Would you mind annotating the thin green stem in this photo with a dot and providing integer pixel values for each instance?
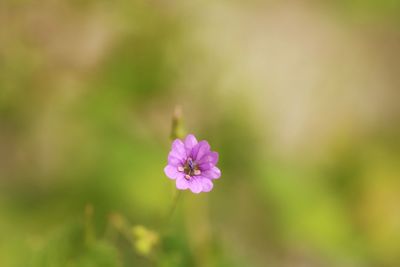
(169, 215)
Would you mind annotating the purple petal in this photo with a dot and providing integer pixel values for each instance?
(214, 156)
(178, 149)
(182, 183)
(213, 173)
(208, 161)
(201, 149)
(190, 142)
(172, 172)
(195, 185)
(205, 166)
(174, 161)
(177, 155)
(206, 184)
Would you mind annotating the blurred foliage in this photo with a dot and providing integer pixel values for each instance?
(299, 98)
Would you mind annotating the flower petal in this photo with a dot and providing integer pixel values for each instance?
(178, 149)
(174, 161)
(195, 185)
(207, 185)
(177, 155)
(172, 172)
(182, 183)
(208, 160)
(213, 173)
(190, 142)
(214, 156)
(201, 149)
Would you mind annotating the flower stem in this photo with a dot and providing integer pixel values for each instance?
(177, 195)
(177, 129)
(169, 215)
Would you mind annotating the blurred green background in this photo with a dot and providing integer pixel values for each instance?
(300, 98)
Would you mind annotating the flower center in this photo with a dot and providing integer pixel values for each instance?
(190, 169)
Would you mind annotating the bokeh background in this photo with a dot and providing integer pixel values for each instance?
(300, 98)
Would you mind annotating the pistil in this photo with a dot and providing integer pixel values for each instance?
(190, 169)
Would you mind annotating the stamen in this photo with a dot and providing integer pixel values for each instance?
(190, 163)
(187, 177)
(197, 172)
(180, 169)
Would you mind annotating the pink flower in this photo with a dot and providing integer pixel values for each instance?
(192, 165)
